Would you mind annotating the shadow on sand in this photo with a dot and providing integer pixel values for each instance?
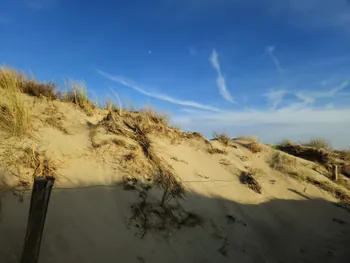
(96, 224)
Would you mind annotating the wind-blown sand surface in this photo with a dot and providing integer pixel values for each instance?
(105, 206)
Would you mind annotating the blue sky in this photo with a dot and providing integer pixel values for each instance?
(274, 68)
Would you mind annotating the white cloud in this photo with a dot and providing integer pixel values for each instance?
(343, 85)
(157, 95)
(298, 120)
(275, 97)
(311, 97)
(220, 81)
(275, 60)
(272, 126)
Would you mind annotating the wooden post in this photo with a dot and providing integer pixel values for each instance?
(335, 173)
(37, 213)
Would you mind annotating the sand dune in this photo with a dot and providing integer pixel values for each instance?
(129, 188)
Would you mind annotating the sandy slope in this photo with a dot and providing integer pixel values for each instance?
(92, 216)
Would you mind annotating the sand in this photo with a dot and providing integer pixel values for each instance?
(91, 216)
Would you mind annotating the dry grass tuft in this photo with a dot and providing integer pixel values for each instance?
(213, 150)
(285, 164)
(110, 106)
(250, 142)
(39, 89)
(248, 178)
(337, 192)
(319, 144)
(161, 119)
(313, 154)
(253, 146)
(138, 126)
(14, 113)
(278, 158)
(221, 137)
(78, 95)
(42, 165)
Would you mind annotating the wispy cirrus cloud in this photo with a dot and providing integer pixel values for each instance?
(274, 97)
(276, 62)
(290, 114)
(156, 95)
(311, 97)
(220, 81)
(294, 123)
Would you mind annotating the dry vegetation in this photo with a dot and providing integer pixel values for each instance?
(40, 89)
(251, 143)
(26, 162)
(14, 113)
(333, 189)
(221, 137)
(78, 96)
(41, 164)
(213, 150)
(319, 144)
(110, 105)
(285, 164)
(254, 147)
(138, 126)
(249, 178)
(320, 152)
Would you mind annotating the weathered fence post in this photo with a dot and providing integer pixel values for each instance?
(335, 173)
(37, 213)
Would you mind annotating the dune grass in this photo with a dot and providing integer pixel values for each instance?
(285, 164)
(41, 164)
(40, 89)
(254, 147)
(249, 178)
(251, 143)
(14, 112)
(78, 96)
(221, 137)
(155, 117)
(319, 143)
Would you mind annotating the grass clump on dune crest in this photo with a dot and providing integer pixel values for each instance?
(156, 117)
(39, 89)
(254, 147)
(221, 137)
(251, 143)
(138, 126)
(78, 95)
(31, 86)
(319, 143)
(14, 113)
(285, 164)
